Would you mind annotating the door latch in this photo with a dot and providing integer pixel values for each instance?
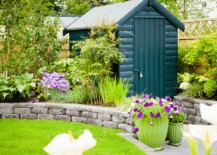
(141, 75)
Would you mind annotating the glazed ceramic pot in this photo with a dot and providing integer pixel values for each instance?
(175, 133)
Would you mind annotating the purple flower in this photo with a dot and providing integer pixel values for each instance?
(171, 113)
(178, 113)
(137, 101)
(145, 97)
(30, 95)
(167, 109)
(175, 108)
(171, 106)
(136, 129)
(146, 104)
(31, 101)
(46, 98)
(45, 69)
(158, 114)
(128, 113)
(151, 114)
(151, 123)
(139, 116)
(161, 98)
(168, 98)
(104, 91)
(33, 92)
(37, 100)
(176, 103)
(42, 72)
(135, 110)
(150, 104)
(138, 110)
(149, 96)
(161, 102)
(180, 109)
(47, 93)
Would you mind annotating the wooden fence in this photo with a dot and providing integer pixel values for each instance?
(196, 29)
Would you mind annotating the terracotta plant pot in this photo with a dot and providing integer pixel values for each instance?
(152, 135)
(175, 133)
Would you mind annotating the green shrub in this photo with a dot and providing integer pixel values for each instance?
(177, 118)
(182, 51)
(193, 90)
(113, 91)
(79, 95)
(56, 96)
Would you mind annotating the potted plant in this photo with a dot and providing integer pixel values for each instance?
(151, 120)
(176, 119)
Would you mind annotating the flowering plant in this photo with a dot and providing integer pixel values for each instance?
(176, 115)
(53, 81)
(150, 107)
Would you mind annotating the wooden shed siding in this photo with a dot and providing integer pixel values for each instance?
(171, 49)
(126, 47)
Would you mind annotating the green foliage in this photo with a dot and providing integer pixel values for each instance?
(177, 118)
(194, 90)
(191, 77)
(22, 84)
(56, 96)
(205, 49)
(30, 38)
(79, 95)
(188, 8)
(113, 92)
(182, 51)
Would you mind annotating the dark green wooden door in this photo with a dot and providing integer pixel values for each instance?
(149, 56)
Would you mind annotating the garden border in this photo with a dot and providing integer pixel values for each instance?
(191, 107)
(96, 115)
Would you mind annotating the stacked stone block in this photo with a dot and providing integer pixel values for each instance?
(191, 108)
(101, 116)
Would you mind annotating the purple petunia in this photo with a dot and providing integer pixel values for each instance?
(149, 96)
(168, 98)
(178, 113)
(146, 104)
(175, 108)
(180, 109)
(171, 113)
(136, 129)
(30, 95)
(150, 104)
(176, 103)
(151, 123)
(135, 110)
(171, 106)
(145, 97)
(37, 100)
(128, 113)
(31, 101)
(167, 109)
(139, 116)
(151, 114)
(158, 114)
(137, 101)
(161, 103)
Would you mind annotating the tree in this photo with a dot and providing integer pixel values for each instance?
(187, 9)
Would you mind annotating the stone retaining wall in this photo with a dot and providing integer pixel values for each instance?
(101, 116)
(191, 107)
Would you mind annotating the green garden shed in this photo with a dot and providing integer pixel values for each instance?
(151, 52)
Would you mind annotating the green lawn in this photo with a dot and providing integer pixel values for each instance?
(20, 137)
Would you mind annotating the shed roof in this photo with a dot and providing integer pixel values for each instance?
(121, 12)
(64, 19)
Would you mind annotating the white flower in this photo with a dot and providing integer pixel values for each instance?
(129, 109)
(163, 100)
(208, 113)
(171, 116)
(171, 103)
(132, 104)
(184, 85)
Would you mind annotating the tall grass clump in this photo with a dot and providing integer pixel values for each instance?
(113, 91)
(193, 90)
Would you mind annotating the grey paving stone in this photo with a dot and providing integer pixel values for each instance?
(22, 110)
(6, 110)
(62, 117)
(10, 116)
(124, 114)
(115, 119)
(40, 110)
(6, 105)
(45, 116)
(57, 111)
(28, 116)
(194, 118)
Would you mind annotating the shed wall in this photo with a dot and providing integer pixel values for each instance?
(171, 55)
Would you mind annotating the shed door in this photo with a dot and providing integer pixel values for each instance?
(149, 56)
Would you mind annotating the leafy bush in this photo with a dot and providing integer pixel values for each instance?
(193, 90)
(113, 91)
(177, 118)
(56, 96)
(79, 95)
(182, 65)
(22, 84)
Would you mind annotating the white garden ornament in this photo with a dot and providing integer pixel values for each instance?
(65, 144)
(207, 133)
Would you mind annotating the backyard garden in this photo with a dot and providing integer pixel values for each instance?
(32, 72)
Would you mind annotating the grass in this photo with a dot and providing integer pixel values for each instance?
(28, 137)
